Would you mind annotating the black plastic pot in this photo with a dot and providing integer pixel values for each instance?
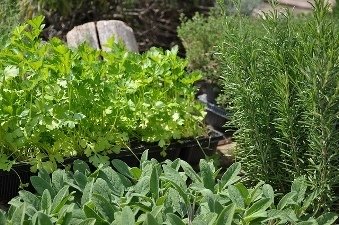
(216, 117)
(10, 181)
(190, 150)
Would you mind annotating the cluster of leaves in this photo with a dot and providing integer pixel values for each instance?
(284, 87)
(156, 194)
(201, 35)
(58, 102)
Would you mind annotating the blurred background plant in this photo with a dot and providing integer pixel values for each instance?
(154, 22)
(201, 34)
(8, 18)
(336, 10)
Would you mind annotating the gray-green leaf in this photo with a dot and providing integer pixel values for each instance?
(105, 208)
(2, 217)
(46, 202)
(81, 166)
(150, 220)
(44, 219)
(236, 196)
(89, 221)
(226, 216)
(190, 172)
(121, 167)
(174, 219)
(88, 192)
(206, 175)
(58, 177)
(154, 183)
(231, 175)
(60, 199)
(327, 218)
(40, 185)
(127, 216)
(286, 200)
(18, 216)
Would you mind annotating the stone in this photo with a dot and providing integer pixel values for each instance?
(83, 33)
(108, 28)
(97, 34)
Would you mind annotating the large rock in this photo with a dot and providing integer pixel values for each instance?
(79, 34)
(108, 28)
(97, 34)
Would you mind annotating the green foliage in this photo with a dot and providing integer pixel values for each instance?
(284, 86)
(9, 16)
(157, 194)
(201, 35)
(57, 102)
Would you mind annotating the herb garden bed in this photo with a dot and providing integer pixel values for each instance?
(60, 104)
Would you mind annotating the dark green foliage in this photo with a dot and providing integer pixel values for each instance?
(9, 16)
(202, 34)
(336, 11)
(199, 36)
(283, 84)
(160, 194)
(57, 102)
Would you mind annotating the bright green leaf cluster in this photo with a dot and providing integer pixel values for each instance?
(57, 102)
(169, 193)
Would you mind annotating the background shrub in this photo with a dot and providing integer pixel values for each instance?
(9, 17)
(201, 34)
(283, 84)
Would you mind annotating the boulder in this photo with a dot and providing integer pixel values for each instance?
(108, 28)
(85, 32)
(97, 34)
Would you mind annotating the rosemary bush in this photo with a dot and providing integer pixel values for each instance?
(284, 85)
